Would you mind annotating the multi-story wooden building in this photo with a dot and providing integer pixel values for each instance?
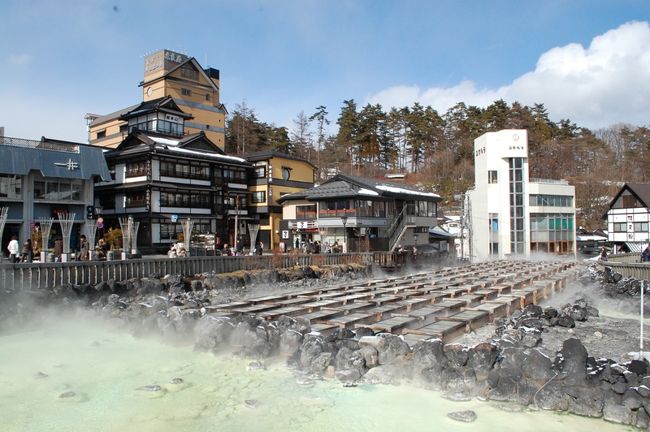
(160, 177)
(275, 175)
(169, 74)
(359, 214)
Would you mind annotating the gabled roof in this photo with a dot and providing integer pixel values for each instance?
(195, 63)
(194, 145)
(112, 116)
(53, 159)
(268, 154)
(165, 104)
(640, 190)
(345, 186)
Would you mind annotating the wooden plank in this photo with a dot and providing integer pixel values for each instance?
(425, 315)
(451, 305)
(349, 307)
(353, 297)
(393, 324)
(514, 302)
(323, 328)
(381, 312)
(226, 306)
(294, 301)
(445, 330)
(472, 319)
(255, 309)
(350, 320)
(288, 311)
(414, 303)
(529, 295)
(495, 310)
(316, 305)
(413, 339)
(470, 299)
(452, 292)
(267, 299)
(487, 294)
(321, 315)
(380, 300)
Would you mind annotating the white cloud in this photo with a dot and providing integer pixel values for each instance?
(605, 83)
(19, 59)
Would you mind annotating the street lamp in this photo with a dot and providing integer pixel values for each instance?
(344, 219)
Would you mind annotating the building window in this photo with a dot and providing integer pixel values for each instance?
(101, 134)
(188, 71)
(258, 197)
(286, 173)
(170, 231)
(550, 200)
(136, 199)
(171, 169)
(207, 96)
(10, 186)
(233, 174)
(193, 199)
(620, 227)
(306, 212)
(260, 172)
(186, 92)
(201, 172)
(58, 190)
(641, 226)
(517, 233)
(493, 177)
(493, 220)
(136, 169)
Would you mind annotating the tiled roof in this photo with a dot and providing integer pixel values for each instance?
(344, 186)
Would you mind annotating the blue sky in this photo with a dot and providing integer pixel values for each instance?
(586, 60)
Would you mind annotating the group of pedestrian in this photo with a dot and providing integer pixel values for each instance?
(26, 253)
(16, 254)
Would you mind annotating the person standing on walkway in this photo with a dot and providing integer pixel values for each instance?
(27, 254)
(14, 249)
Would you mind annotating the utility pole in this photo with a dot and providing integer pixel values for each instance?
(462, 226)
(236, 220)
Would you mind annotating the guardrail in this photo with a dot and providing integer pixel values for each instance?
(49, 275)
(628, 265)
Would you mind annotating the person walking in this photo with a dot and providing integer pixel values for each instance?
(645, 255)
(14, 249)
(83, 253)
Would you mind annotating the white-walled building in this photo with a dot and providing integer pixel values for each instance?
(507, 213)
(628, 217)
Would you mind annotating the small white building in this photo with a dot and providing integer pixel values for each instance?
(507, 213)
(628, 217)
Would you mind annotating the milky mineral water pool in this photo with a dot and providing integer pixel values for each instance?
(100, 368)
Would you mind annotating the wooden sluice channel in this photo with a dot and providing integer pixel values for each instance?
(444, 303)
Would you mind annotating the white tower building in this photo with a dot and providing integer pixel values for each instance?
(508, 214)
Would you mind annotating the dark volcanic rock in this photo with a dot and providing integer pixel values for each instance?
(573, 356)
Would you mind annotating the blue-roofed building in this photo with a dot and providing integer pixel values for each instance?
(39, 179)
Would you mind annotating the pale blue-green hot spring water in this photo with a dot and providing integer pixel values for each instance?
(100, 367)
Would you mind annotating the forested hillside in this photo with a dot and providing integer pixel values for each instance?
(435, 149)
